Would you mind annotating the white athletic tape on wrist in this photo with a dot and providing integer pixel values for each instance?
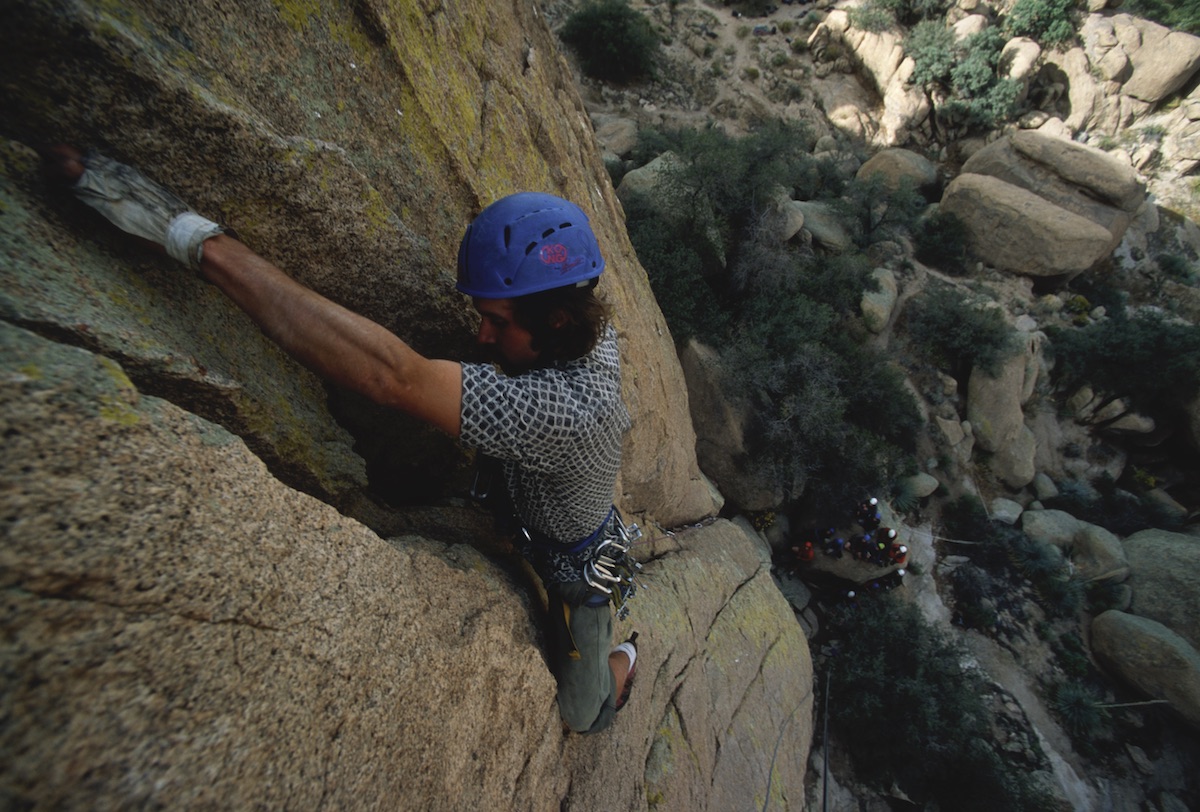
(186, 236)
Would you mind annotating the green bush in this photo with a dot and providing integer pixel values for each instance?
(669, 253)
(941, 241)
(1047, 21)
(958, 331)
(1183, 15)
(614, 43)
(932, 46)
(1148, 359)
(829, 414)
(1177, 268)
(882, 15)
(876, 212)
(909, 715)
(1117, 510)
(1078, 708)
(872, 18)
(966, 71)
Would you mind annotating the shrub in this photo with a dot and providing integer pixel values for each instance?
(614, 43)
(828, 414)
(1183, 15)
(1152, 361)
(1047, 21)
(1119, 511)
(932, 47)
(872, 18)
(941, 241)
(966, 71)
(1176, 267)
(958, 331)
(675, 268)
(876, 212)
(912, 717)
(1078, 708)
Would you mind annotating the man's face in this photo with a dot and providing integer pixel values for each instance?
(505, 341)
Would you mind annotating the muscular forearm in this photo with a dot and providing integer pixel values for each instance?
(336, 343)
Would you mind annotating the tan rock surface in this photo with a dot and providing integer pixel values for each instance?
(1018, 231)
(181, 630)
(351, 146)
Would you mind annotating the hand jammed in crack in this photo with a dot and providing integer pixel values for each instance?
(134, 203)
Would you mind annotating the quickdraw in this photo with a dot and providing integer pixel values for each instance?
(612, 570)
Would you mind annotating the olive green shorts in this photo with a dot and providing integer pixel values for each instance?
(579, 641)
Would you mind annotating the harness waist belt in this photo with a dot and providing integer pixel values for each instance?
(544, 541)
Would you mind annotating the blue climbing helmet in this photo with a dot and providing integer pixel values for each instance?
(526, 243)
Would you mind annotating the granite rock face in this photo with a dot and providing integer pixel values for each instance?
(185, 624)
(349, 143)
(182, 629)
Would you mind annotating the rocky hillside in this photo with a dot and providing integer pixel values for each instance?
(1080, 218)
(227, 585)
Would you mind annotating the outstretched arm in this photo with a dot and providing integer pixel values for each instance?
(335, 343)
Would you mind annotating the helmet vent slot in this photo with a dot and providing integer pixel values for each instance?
(507, 236)
(548, 232)
(529, 248)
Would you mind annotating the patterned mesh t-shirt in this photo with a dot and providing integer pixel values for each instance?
(558, 432)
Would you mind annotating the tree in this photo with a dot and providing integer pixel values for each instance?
(966, 71)
(1148, 359)
(961, 331)
(1047, 21)
(614, 42)
(1183, 15)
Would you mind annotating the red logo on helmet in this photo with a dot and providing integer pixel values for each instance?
(555, 254)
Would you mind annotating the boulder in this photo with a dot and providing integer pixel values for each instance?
(919, 485)
(894, 165)
(1016, 230)
(1080, 179)
(969, 26)
(824, 224)
(880, 59)
(1014, 463)
(1019, 58)
(1151, 658)
(790, 216)
(1162, 65)
(994, 404)
(1099, 555)
(615, 135)
(720, 423)
(1055, 527)
(877, 305)
(1044, 487)
(1005, 510)
(1162, 567)
(1096, 552)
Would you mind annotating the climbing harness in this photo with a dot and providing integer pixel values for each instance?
(603, 561)
(612, 570)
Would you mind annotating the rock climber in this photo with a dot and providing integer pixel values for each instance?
(551, 415)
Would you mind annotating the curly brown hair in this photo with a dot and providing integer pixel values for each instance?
(586, 319)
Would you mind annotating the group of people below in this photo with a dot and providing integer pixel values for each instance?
(875, 544)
